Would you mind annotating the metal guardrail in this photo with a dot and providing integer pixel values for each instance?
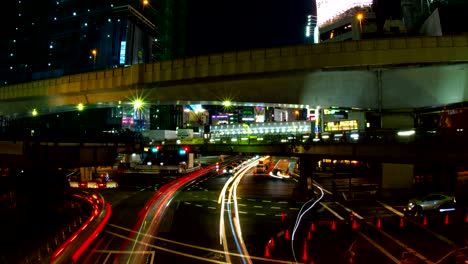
(77, 242)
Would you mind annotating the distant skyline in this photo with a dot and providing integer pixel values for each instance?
(217, 26)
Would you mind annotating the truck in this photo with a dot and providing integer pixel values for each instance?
(263, 165)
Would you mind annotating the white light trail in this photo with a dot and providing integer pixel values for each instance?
(299, 217)
(231, 199)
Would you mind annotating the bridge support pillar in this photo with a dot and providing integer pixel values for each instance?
(305, 188)
(396, 177)
(86, 174)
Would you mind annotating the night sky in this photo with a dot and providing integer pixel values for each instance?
(220, 25)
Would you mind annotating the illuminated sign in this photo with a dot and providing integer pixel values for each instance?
(327, 10)
(123, 48)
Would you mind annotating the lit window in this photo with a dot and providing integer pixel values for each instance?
(11, 67)
(11, 54)
(89, 10)
(32, 23)
(14, 41)
(118, 20)
(55, 18)
(108, 36)
(19, 14)
(85, 24)
(112, 5)
(19, 2)
(109, 20)
(51, 47)
(74, 13)
(16, 28)
(57, 2)
(49, 63)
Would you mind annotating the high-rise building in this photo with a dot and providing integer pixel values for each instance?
(44, 39)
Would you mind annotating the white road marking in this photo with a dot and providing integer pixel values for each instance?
(381, 249)
(391, 209)
(332, 211)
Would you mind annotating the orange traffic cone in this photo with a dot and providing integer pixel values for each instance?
(286, 235)
(312, 226)
(309, 236)
(333, 226)
(267, 252)
(378, 223)
(402, 224)
(425, 221)
(446, 221)
(304, 255)
(355, 225)
(272, 242)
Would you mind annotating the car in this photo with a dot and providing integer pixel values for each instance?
(229, 169)
(431, 202)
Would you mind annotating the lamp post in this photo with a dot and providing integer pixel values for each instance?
(94, 54)
(145, 3)
(359, 17)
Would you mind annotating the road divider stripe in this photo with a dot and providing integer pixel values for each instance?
(187, 245)
(350, 210)
(332, 211)
(380, 248)
(391, 209)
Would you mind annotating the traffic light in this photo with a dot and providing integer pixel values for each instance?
(155, 149)
(184, 150)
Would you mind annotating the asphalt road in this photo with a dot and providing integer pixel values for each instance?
(333, 231)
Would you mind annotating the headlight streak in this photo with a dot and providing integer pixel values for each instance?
(237, 233)
(298, 220)
(232, 229)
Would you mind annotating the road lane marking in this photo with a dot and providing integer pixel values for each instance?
(141, 190)
(259, 214)
(199, 205)
(283, 202)
(242, 204)
(332, 211)
(404, 246)
(211, 207)
(275, 207)
(350, 210)
(293, 208)
(253, 200)
(391, 209)
(266, 201)
(380, 248)
(242, 212)
(389, 236)
(168, 250)
(258, 206)
(438, 236)
(187, 203)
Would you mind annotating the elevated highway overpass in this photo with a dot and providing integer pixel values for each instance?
(396, 73)
(30, 152)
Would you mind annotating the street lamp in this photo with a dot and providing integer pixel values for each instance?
(359, 17)
(94, 54)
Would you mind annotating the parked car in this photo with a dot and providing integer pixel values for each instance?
(433, 201)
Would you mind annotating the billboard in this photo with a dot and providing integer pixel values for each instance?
(327, 10)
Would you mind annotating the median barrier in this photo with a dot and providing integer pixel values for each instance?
(86, 230)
